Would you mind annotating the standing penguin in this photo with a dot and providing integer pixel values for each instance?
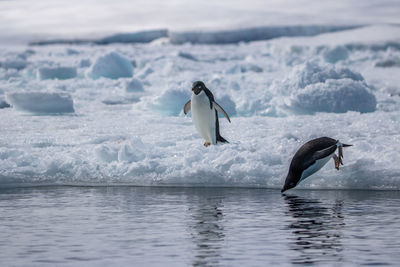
(205, 113)
(311, 157)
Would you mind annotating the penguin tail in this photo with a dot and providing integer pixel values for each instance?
(221, 139)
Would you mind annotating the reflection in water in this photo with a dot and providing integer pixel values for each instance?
(316, 230)
(207, 231)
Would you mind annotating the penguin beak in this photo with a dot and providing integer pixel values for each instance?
(196, 90)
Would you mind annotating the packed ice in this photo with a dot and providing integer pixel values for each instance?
(84, 114)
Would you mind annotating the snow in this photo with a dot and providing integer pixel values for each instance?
(127, 126)
(41, 103)
(112, 66)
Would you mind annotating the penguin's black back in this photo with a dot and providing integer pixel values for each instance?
(211, 99)
(209, 95)
(306, 151)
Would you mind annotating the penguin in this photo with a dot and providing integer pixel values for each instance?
(311, 157)
(205, 114)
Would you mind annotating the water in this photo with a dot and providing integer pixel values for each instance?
(151, 226)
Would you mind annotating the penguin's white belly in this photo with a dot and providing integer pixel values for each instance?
(203, 117)
(315, 167)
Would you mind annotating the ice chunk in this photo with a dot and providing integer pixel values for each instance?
(106, 153)
(242, 68)
(311, 72)
(41, 103)
(134, 85)
(61, 73)
(227, 104)
(71, 52)
(311, 87)
(17, 64)
(84, 63)
(333, 55)
(337, 96)
(112, 66)
(388, 63)
(143, 73)
(171, 102)
(4, 104)
(126, 151)
(132, 151)
(187, 56)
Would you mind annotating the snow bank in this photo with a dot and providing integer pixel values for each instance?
(231, 36)
(137, 37)
(250, 34)
(112, 66)
(41, 103)
(167, 151)
(60, 73)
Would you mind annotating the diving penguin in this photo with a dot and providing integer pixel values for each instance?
(205, 113)
(311, 157)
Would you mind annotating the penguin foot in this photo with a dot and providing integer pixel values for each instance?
(340, 153)
(206, 144)
(337, 161)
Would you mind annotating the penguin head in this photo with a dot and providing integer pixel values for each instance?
(198, 87)
(290, 182)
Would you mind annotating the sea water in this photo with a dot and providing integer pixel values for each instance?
(156, 226)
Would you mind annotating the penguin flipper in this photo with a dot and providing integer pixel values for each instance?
(320, 154)
(220, 109)
(187, 107)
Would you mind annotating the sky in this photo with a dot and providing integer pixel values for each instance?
(21, 19)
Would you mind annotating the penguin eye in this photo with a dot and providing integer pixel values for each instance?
(199, 86)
